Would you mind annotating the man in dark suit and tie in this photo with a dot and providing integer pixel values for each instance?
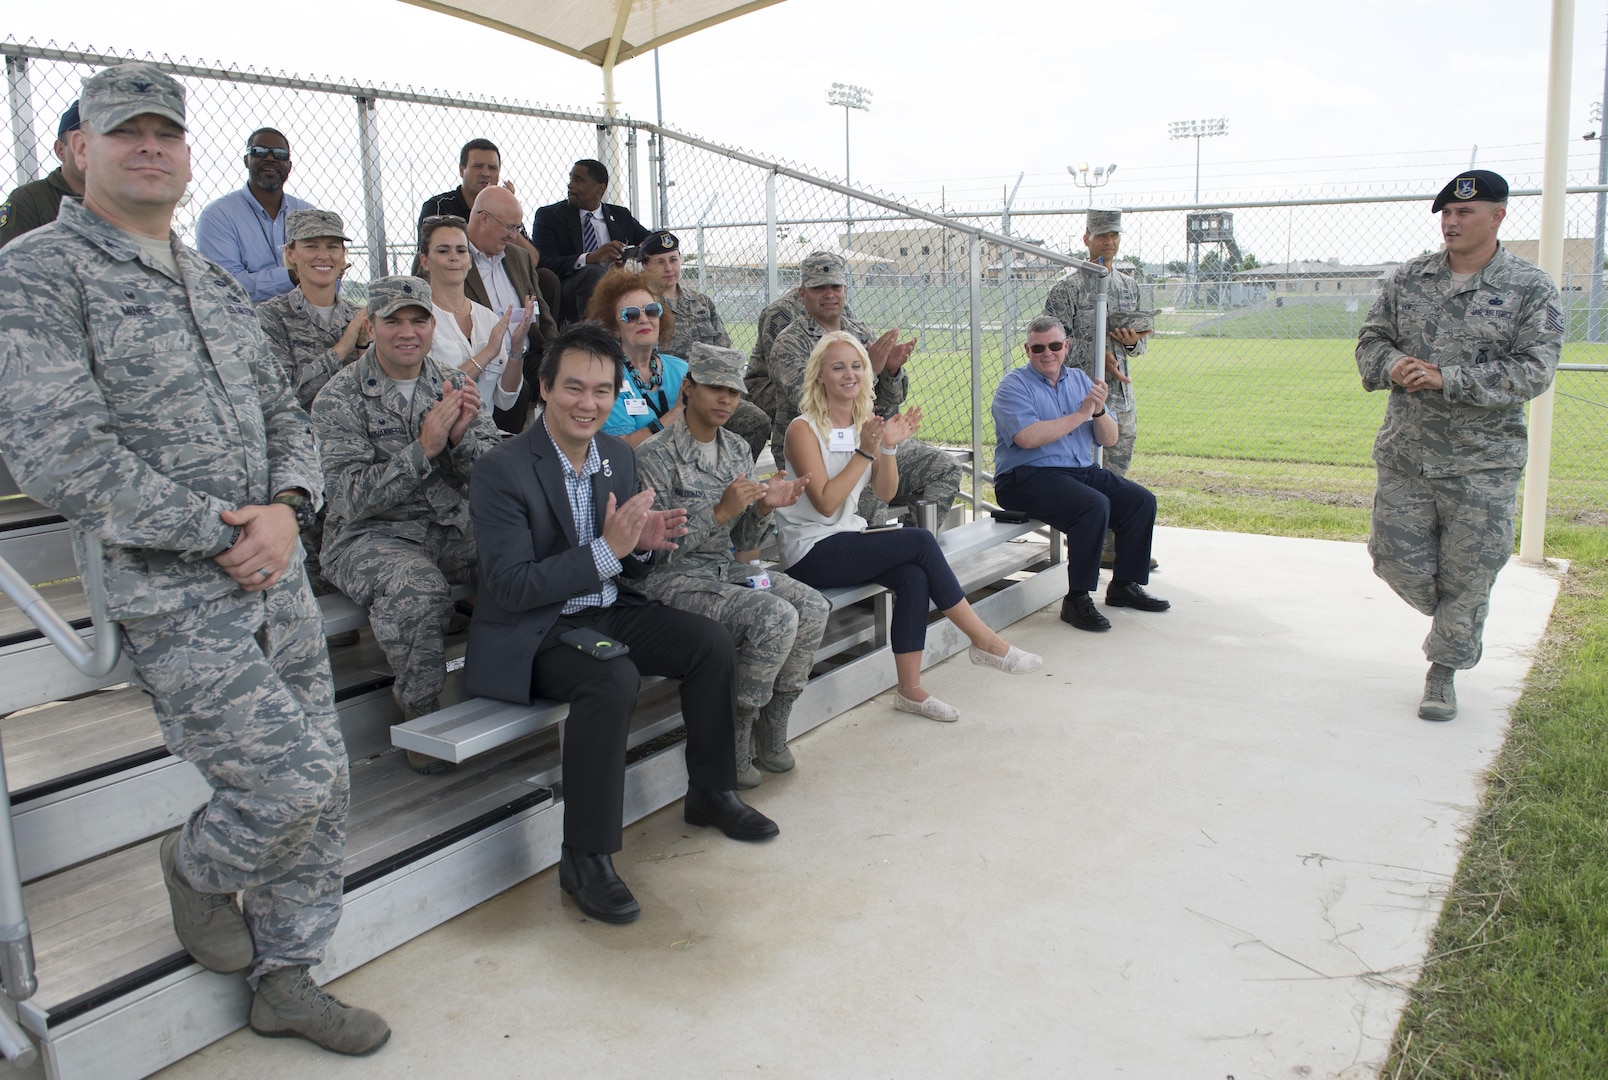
(581, 237)
(503, 274)
(561, 528)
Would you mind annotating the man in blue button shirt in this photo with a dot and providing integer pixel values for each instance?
(244, 231)
(1048, 418)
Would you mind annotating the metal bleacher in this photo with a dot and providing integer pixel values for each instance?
(93, 790)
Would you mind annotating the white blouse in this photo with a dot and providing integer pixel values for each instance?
(800, 526)
(451, 349)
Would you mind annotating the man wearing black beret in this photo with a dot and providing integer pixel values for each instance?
(1461, 339)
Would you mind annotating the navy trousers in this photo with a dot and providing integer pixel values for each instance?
(1083, 503)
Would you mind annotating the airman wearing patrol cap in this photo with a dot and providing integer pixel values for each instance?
(201, 560)
(1461, 338)
(1072, 301)
(398, 434)
(776, 622)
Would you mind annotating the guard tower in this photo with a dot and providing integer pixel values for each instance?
(1209, 227)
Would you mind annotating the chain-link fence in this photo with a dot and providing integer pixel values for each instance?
(1248, 386)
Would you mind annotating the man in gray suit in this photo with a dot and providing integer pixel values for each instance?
(561, 528)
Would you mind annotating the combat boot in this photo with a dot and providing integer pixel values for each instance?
(1440, 697)
(747, 775)
(289, 1003)
(770, 733)
(209, 925)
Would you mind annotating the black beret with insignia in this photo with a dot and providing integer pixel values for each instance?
(1477, 185)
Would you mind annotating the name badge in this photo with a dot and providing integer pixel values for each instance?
(842, 440)
(635, 406)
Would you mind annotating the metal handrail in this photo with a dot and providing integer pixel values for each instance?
(96, 661)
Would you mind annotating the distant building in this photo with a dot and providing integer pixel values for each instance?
(1306, 276)
(1576, 258)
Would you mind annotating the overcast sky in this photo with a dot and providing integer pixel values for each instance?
(1319, 97)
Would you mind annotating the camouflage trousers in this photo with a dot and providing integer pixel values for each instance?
(925, 472)
(407, 588)
(1117, 457)
(242, 690)
(1439, 543)
(776, 630)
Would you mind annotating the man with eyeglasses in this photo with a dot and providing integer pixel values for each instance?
(582, 236)
(505, 274)
(1047, 418)
(479, 167)
(244, 231)
(926, 473)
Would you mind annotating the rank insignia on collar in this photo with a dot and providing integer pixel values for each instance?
(1465, 188)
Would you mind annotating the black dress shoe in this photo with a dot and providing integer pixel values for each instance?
(1127, 594)
(1079, 610)
(726, 812)
(596, 888)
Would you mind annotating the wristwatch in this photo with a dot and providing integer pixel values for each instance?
(301, 504)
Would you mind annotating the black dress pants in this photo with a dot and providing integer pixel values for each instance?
(602, 695)
(1083, 503)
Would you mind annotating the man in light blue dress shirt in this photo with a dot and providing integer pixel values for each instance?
(244, 231)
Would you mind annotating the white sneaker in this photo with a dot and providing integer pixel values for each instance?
(932, 708)
(1014, 662)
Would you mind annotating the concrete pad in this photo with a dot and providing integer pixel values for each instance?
(1211, 842)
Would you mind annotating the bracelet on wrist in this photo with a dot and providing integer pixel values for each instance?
(1099, 414)
(863, 454)
(887, 451)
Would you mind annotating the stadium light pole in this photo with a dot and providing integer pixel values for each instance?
(850, 97)
(1081, 177)
(1197, 130)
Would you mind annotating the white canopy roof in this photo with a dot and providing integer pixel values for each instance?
(602, 32)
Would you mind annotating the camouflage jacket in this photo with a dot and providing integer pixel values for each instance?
(696, 321)
(1496, 340)
(776, 317)
(790, 355)
(673, 466)
(379, 480)
(304, 347)
(1072, 301)
(139, 406)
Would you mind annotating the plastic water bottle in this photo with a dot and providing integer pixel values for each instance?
(757, 577)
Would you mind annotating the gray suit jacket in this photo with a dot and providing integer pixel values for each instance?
(530, 562)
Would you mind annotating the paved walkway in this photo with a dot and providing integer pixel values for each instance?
(1209, 843)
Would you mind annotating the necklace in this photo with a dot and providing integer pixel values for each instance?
(655, 374)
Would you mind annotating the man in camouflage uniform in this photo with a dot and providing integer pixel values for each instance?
(697, 465)
(1461, 338)
(398, 434)
(925, 472)
(1072, 301)
(141, 403)
(697, 321)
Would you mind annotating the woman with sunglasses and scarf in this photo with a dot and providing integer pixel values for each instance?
(626, 303)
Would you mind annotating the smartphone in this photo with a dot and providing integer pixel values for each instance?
(631, 253)
(886, 526)
(1010, 517)
(597, 645)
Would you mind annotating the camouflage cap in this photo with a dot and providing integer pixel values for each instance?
(388, 295)
(1104, 221)
(1139, 321)
(657, 243)
(307, 224)
(822, 268)
(115, 94)
(711, 365)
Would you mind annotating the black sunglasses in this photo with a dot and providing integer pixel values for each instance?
(1039, 346)
(630, 314)
(278, 153)
(444, 219)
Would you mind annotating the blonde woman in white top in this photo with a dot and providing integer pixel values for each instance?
(469, 336)
(840, 446)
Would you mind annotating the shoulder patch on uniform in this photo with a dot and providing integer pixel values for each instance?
(1554, 319)
(5, 214)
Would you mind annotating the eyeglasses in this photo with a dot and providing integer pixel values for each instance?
(1038, 347)
(652, 311)
(507, 228)
(444, 219)
(278, 153)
